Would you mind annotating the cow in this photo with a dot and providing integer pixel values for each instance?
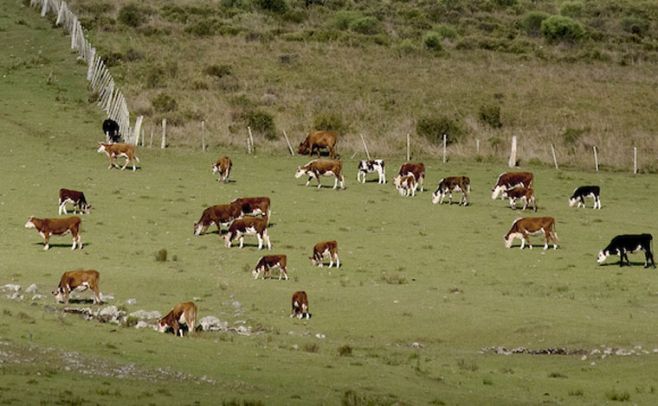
(579, 195)
(509, 180)
(625, 243)
(221, 214)
(267, 263)
(253, 206)
(406, 185)
(323, 248)
(114, 151)
(79, 280)
(526, 226)
(452, 184)
(320, 167)
(182, 313)
(222, 168)
(300, 305)
(57, 226)
(319, 139)
(525, 194)
(369, 166)
(111, 131)
(417, 169)
(248, 225)
(74, 197)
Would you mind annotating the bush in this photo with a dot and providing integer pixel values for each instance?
(345, 350)
(432, 41)
(261, 122)
(163, 103)
(343, 19)
(490, 114)
(405, 47)
(446, 31)
(433, 129)
(155, 77)
(531, 22)
(571, 136)
(202, 28)
(218, 70)
(571, 9)
(635, 25)
(329, 122)
(365, 25)
(132, 15)
(562, 29)
(275, 6)
(161, 256)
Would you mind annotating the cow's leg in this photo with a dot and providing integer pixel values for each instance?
(342, 182)
(621, 257)
(97, 295)
(46, 238)
(308, 182)
(266, 237)
(649, 257)
(283, 271)
(241, 241)
(260, 241)
(337, 260)
(335, 182)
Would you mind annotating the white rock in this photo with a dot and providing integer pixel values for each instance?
(212, 323)
(11, 287)
(236, 305)
(416, 345)
(31, 289)
(146, 315)
(131, 301)
(320, 336)
(243, 330)
(106, 298)
(37, 297)
(143, 324)
(110, 312)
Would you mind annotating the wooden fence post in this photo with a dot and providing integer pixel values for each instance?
(512, 156)
(634, 160)
(203, 136)
(151, 139)
(292, 152)
(554, 156)
(408, 148)
(596, 158)
(363, 140)
(250, 141)
(163, 144)
(445, 144)
(477, 146)
(137, 130)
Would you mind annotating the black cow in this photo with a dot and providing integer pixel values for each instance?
(111, 131)
(622, 244)
(579, 195)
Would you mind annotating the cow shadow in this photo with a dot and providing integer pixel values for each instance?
(633, 264)
(62, 245)
(87, 301)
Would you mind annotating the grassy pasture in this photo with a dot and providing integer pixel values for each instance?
(412, 273)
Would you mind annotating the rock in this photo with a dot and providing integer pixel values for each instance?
(15, 296)
(31, 289)
(37, 297)
(243, 330)
(416, 345)
(146, 315)
(105, 298)
(236, 305)
(10, 287)
(109, 314)
(131, 301)
(212, 323)
(143, 324)
(320, 336)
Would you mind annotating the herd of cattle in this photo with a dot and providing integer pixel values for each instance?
(251, 216)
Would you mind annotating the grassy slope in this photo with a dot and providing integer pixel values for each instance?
(505, 297)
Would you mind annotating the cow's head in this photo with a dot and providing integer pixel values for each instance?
(101, 147)
(436, 196)
(573, 201)
(497, 190)
(300, 172)
(215, 168)
(162, 326)
(509, 238)
(303, 148)
(86, 208)
(198, 228)
(255, 273)
(602, 256)
(30, 223)
(397, 181)
(60, 295)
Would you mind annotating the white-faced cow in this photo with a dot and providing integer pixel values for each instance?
(267, 263)
(416, 169)
(222, 168)
(579, 195)
(509, 180)
(623, 244)
(522, 193)
(300, 305)
(114, 151)
(56, 226)
(253, 206)
(77, 199)
(182, 313)
(111, 131)
(221, 215)
(318, 140)
(79, 280)
(452, 184)
(248, 225)
(325, 248)
(322, 167)
(406, 185)
(522, 228)
(370, 166)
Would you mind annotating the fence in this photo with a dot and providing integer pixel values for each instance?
(100, 80)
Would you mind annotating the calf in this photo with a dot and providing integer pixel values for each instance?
(416, 169)
(323, 248)
(525, 194)
(248, 225)
(267, 263)
(57, 226)
(74, 197)
(182, 313)
(509, 180)
(300, 305)
(524, 227)
(579, 195)
(406, 185)
(370, 166)
(452, 184)
(222, 168)
(318, 140)
(80, 280)
(320, 167)
(114, 151)
(111, 131)
(221, 214)
(253, 206)
(622, 244)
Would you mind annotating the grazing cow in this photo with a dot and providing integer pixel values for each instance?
(221, 214)
(253, 206)
(182, 313)
(323, 248)
(74, 197)
(524, 227)
(248, 225)
(374, 165)
(319, 139)
(267, 263)
(406, 185)
(57, 226)
(416, 169)
(525, 194)
(80, 280)
(111, 131)
(508, 180)
(114, 151)
(319, 167)
(622, 244)
(452, 184)
(579, 195)
(222, 168)
(300, 305)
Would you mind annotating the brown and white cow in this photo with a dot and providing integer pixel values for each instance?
(329, 248)
(322, 167)
(267, 262)
(253, 206)
(248, 225)
(300, 305)
(221, 215)
(508, 180)
(522, 228)
(182, 313)
(222, 168)
(79, 280)
(406, 185)
(525, 194)
(318, 140)
(114, 151)
(57, 226)
(416, 169)
(452, 184)
(77, 199)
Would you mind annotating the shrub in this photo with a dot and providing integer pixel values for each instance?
(432, 41)
(571, 9)
(329, 122)
(202, 28)
(343, 19)
(531, 22)
(490, 114)
(345, 350)
(161, 256)
(505, 3)
(311, 347)
(613, 395)
(163, 103)
(635, 25)
(562, 29)
(446, 31)
(132, 15)
(261, 122)
(155, 77)
(365, 25)
(275, 6)
(571, 136)
(218, 70)
(406, 47)
(433, 129)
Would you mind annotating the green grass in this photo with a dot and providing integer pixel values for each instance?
(412, 273)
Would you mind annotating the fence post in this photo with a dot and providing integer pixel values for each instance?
(408, 148)
(292, 152)
(445, 144)
(596, 158)
(137, 130)
(151, 139)
(250, 141)
(554, 156)
(634, 160)
(363, 140)
(203, 136)
(512, 156)
(477, 146)
(163, 144)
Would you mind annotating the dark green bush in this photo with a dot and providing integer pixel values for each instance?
(562, 29)
(329, 122)
(446, 31)
(365, 25)
(635, 25)
(490, 114)
(434, 127)
(275, 6)
(572, 9)
(132, 15)
(531, 22)
(343, 19)
(261, 122)
(432, 41)
(218, 70)
(163, 103)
